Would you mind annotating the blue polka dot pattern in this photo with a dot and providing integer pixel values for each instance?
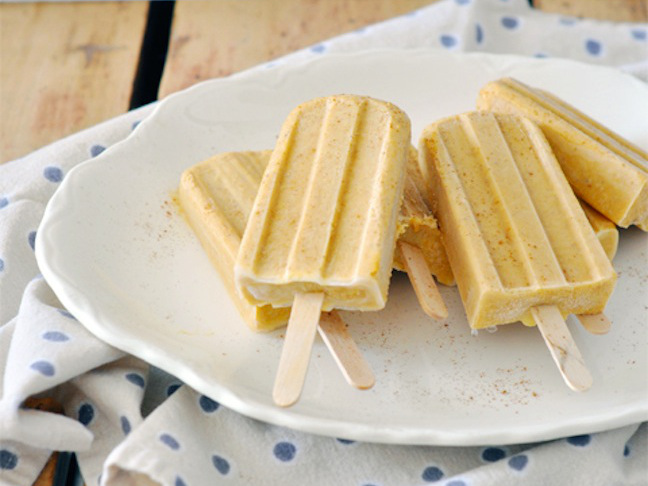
(207, 404)
(53, 174)
(31, 238)
(85, 413)
(170, 441)
(221, 464)
(479, 34)
(96, 150)
(65, 313)
(171, 389)
(136, 379)
(319, 48)
(510, 23)
(55, 336)
(4, 202)
(45, 368)
(432, 474)
(493, 454)
(285, 451)
(448, 40)
(179, 482)
(579, 440)
(518, 462)
(8, 460)
(593, 47)
(125, 425)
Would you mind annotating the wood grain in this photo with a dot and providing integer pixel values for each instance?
(616, 10)
(215, 38)
(65, 67)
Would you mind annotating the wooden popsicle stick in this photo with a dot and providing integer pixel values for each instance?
(348, 357)
(595, 323)
(296, 352)
(424, 285)
(562, 347)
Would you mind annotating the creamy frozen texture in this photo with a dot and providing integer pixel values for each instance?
(604, 169)
(324, 219)
(216, 196)
(418, 227)
(604, 229)
(515, 234)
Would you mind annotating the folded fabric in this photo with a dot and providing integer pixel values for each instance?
(130, 424)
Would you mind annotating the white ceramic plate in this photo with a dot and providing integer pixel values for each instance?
(121, 259)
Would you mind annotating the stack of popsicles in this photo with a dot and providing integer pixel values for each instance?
(489, 200)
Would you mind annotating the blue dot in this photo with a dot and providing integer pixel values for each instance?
(448, 40)
(207, 404)
(221, 464)
(65, 313)
(579, 440)
(493, 454)
(53, 174)
(170, 441)
(136, 379)
(2, 265)
(4, 202)
(510, 22)
(637, 34)
(8, 460)
(96, 150)
(31, 238)
(43, 367)
(593, 47)
(125, 425)
(462, 2)
(179, 482)
(345, 441)
(432, 474)
(319, 48)
(479, 34)
(86, 413)
(285, 451)
(518, 462)
(540, 55)
(171, 389)
(55, 336)
(626, 451)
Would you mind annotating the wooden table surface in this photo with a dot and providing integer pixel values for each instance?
(67, 66)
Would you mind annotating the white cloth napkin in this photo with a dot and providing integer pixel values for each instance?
(132, 425)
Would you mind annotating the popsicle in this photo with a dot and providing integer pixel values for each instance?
(518, 242)
(604, 229)
(322, 231)
(605, 170)
(216, 197)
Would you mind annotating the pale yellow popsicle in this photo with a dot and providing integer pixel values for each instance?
(324, 219)
(418, 227)
(604, 169)
(216, 197)
(515, 234)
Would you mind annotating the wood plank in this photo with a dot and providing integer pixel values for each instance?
(616, 10)
(64, 67)
(215, 38)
